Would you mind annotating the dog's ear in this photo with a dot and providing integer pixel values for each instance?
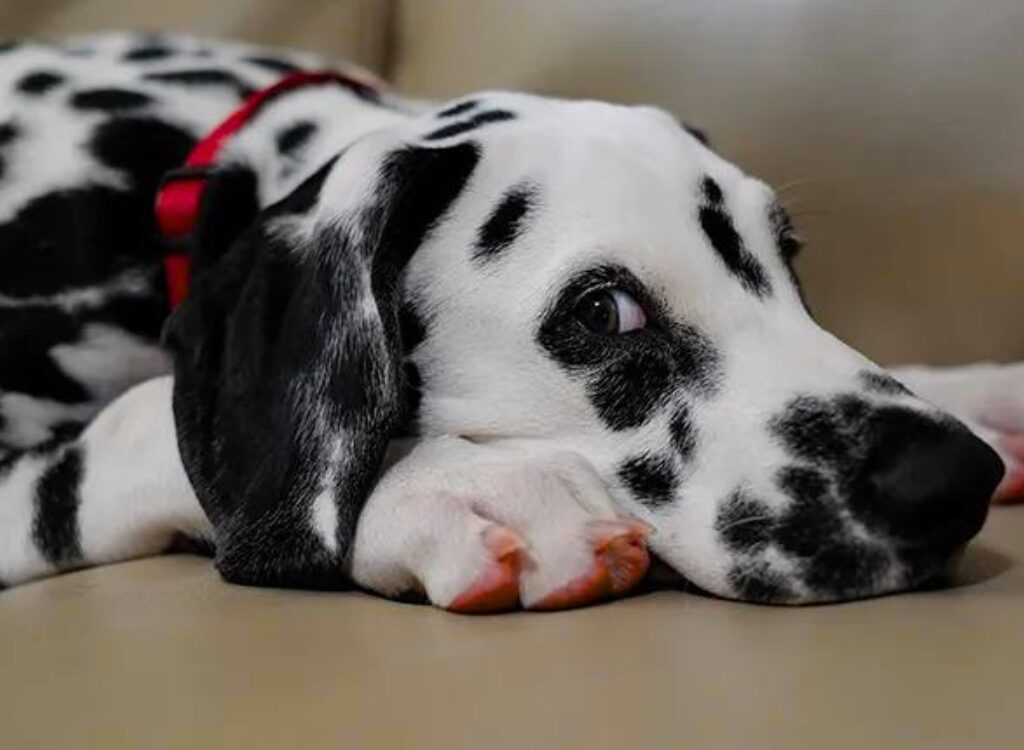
(288, 377)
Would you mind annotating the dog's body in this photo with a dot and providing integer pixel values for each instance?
(368, 268)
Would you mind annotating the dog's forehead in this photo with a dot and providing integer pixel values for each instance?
(562, 185)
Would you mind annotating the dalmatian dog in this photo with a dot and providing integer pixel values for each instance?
(498, 352)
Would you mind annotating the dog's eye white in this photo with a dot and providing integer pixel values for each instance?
(610, 311)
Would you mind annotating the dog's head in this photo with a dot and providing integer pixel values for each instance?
(580, 273)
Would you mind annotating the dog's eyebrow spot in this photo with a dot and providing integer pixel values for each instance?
(458, 109)
(720, 231)
(109, 99)
(55, 526)
(466, 126)
(650, 478)
(40, 81)
(505, 223)
(203, 77)
(294, 137)
(879, 382)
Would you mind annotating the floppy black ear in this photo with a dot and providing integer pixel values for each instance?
(288, 377)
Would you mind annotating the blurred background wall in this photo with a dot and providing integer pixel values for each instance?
(894, 128)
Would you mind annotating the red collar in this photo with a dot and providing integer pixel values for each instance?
(180, 195)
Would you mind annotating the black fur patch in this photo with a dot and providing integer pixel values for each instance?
(505, 223)
(295, 137)
(697, 133)
(813, 430)
(879, 382)
(204, 77)
(684, 434)
(651, 479)
(8, 132)
(148, 52)
(109, 99)
(630, 376)
(745, 524)
(721, 233)
(474, 122)
(786, 237)
(40, 81)
(55, 526)
(459, 109)
(755, 582)
(273, 64)
(33, 333)
(144, 147)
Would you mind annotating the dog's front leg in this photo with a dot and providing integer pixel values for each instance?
(488, 527)
(988, 398)
(118, 491)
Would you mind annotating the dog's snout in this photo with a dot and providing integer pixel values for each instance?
(927, 482)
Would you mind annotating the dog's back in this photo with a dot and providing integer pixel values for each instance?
(87, 128)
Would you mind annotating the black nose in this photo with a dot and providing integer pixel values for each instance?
(928, 482)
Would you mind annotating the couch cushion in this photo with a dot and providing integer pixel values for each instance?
(896, 130)
(160, 653)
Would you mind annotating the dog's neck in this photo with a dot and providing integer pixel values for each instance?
(294, 134)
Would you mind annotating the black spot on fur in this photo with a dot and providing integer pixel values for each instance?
(148, 52)
(459, 109)
(40, 81)
(846, 568)
(295, 137)
(76, 238)
(204, 77)
(109, 99)
(758, 583)
(697, 133)
(651, 479)
(273, 64)
(8, 132)
(745, 524)
(629, 376)
(812, 430)
(721, 233)
(33, 333)
(505, 223)
(6, 47)
(55, 526)
(144, 147)
(812, 522)
(879, 382)
(684, 434)
(474, 122)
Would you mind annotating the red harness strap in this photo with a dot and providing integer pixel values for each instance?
(180, 196)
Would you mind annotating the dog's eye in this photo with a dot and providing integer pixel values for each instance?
(610, 311)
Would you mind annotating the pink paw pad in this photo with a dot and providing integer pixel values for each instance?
(620, 562)
(496, 589)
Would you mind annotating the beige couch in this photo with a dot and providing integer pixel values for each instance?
(898, 131)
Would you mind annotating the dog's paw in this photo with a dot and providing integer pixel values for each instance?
(989, 399)
(487, 529)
